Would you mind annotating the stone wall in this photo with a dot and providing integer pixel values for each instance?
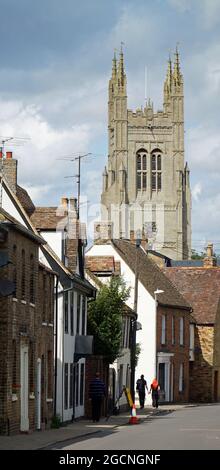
(201, 369)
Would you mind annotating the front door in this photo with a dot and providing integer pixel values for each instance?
(24, 425)
(164, 381)
(216, 385)
(39, 393)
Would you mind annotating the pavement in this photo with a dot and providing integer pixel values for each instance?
(78, 429)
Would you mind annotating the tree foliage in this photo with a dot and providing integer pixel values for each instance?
(196, 255)
(137, 353)
(105, 318)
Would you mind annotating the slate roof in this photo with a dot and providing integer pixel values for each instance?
(201, 287)
(150, 275)
(25, 200)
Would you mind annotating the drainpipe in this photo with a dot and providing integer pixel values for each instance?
(56, 340)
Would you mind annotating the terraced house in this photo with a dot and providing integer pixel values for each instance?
(26, 332)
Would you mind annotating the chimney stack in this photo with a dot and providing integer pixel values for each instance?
(210, 260)
(64, 203)
(73, 205)
(9, 170)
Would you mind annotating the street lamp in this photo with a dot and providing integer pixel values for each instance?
(156, 292)
(134, 324)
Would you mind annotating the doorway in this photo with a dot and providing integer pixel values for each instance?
(24, 424)
(216, 385)
(39, 394)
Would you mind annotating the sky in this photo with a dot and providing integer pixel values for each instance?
(54, 71)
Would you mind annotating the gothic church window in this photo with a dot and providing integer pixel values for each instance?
(141, 170)
(156, 175)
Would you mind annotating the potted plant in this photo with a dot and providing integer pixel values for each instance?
(15, 388)
(31, 393)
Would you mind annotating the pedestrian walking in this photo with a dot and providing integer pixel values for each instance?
(141, 386)
(154, 389)
(97, 392)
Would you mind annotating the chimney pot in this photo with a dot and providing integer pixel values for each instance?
(209, 250)
(210, 260)
(8, 154)
(64, 202)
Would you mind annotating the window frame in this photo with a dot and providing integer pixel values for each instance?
(66, 311)
(163, 329)
(181, 331)
(156, 170)
(23, 275)
(181, 377)
(66, 385)
(141, 170)
(173, 329)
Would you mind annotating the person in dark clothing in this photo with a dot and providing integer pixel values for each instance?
(96, 393)
(154, 388)
(141, 385)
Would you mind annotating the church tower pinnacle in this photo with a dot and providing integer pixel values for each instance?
(177, 77)
(146, 183)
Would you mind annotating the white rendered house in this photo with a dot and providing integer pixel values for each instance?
(159, 354)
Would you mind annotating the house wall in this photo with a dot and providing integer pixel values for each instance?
(216, 365)
(201, 369)
(8, 206)
(180, 352)
(21, 326)
(146, 315)
(54, 239)
(65, 355)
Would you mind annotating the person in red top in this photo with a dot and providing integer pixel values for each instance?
(154, 389)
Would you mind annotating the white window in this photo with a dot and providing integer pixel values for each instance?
(181, 377)
(181, 331)
(163, 329)
(173, 330)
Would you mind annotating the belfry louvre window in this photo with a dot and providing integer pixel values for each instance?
(156, 174)
(141, 164)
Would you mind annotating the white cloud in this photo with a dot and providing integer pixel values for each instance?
(181, 5)
(196, 191)
(39, 167)
(207, 11)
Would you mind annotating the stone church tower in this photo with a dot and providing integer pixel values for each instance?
(146, 183)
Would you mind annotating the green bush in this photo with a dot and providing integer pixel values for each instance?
(56, 422)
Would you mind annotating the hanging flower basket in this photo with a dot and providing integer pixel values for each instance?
(15, 388)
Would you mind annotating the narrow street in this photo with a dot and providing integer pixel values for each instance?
(196, 428)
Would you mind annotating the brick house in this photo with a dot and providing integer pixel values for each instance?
(63, 253)
(200, 285)
(165, 318)
(26, 334)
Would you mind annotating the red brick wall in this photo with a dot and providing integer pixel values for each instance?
(181, 352)
(21, 323)
(95, 364)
